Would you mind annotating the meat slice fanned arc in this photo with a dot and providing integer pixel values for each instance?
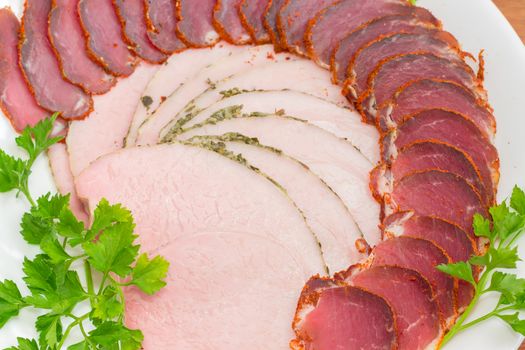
(161, 22)
(252, 13)
(227, 22)
(195, 23)
(270, 22)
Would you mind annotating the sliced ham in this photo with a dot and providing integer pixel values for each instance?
(170, 77)
(16, 100)
(105, 41)
(194, 25)
(334, 160)
(422, 256)
(346, 49)
(134, 29)
(67, 39)
(415, 310)
(251, 13)
(292, 20)
(393, 73)
(453, 129)
(105, 129)
(243, 61)
(326, 115)
(227, 22)
(161, 22)
(432, 93)
(41, 69)
(270, 22)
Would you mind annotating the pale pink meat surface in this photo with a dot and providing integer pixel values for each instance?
(195, 27)
(161, 22)
(252, 17)
(228, 23)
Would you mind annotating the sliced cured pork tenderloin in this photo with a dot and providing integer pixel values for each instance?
(161, 22)
(368, 57)
(302, 76)
(69, 45)
(105, 129)
(345, 50)
(326, 115)
(16, 100)
(227, 22)
(334, 227)
(251, 13)
(395, 72)
(335, 161)
(134, 29)
(413, 303)
(453, 129)
(270, 22)
(105, 41)
(191, 201)
(170, 77)
(343, 317)
(335, 22)
(450, 237)
(292, 20)
(40, 66)
(424, 94)
(195, 27)
(423, 256)
(245, 60)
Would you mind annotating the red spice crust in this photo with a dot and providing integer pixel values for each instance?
(219, 27)
(246, 24)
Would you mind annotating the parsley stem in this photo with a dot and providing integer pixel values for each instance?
(73, 324)
(89, 281)
(495, 312)
(24, 189)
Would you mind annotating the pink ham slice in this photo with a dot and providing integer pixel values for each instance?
(67, 38)
(423, 256)
(270, 22)
(133, 23)
(393, 73)
(417, 317)
(41, 69)
(453, 129)
(161, 23)
(346, 49)
(16, 101)
(432, 93)
(292, 20)
(194, 25)
(251, 13)
(227, 22)
(105, 41)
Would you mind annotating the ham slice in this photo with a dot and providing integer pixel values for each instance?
(41, 69)
(334, 160)
(194, 25)
(270, 22)
(227, 22)
(105, 40)
(292, 20)
(67, 39)
(251, 13)
(105, 129)
(432, 93)
(16, 101)
(161, 22)
(133, 22)
(346, 49)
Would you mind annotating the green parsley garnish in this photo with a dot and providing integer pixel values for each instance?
(507, 224)
(106, 249)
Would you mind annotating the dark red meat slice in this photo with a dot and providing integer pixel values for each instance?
(270, 22)
(453, 129)
(347, 48)
(251, 13)
(227, 22)
(368, 57)
(161, 22)
(41, 69)
(133, 22)
(422, 256)
(412, 301)
(195, 27)
(395, 72)
(16, 100)
(292, 20)
(67, 40)
(427, 93)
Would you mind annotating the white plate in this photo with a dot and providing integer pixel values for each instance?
(478, 24)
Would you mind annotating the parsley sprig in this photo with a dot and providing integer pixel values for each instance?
(507, 224)
(107, 249)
